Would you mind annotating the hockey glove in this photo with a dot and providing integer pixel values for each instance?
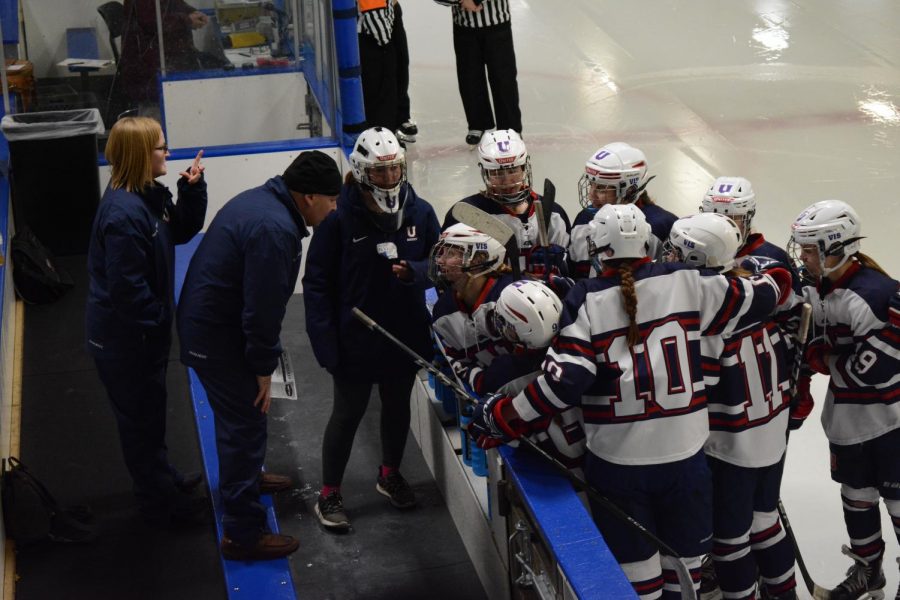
(782, 278)
(816, 355)
(801, 405)
(488, 427)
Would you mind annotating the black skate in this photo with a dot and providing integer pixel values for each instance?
(865, 579)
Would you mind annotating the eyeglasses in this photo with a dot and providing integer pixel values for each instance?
(164, 148)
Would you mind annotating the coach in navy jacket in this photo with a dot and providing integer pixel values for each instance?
(129, 311)
(364, 257)
(229, 321)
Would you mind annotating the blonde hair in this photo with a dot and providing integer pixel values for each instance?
(129, 152)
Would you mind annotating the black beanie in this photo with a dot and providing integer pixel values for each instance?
(313, 172)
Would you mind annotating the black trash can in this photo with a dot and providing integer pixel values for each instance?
(54, 175)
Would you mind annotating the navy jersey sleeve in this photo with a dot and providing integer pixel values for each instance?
(431, 231)
(188, 214)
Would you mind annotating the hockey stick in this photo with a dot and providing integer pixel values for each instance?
(492, 227)
(684, 574)
(542, 236)
(549, 201)
(816, 590)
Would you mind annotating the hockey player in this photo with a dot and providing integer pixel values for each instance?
(748, 389)
(630, 336)
(615, 174)
(371, 253)
(508, 195)
(469, 266)
(734, 197)
(855, 312)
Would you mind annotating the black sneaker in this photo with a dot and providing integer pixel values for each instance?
(709, 585)
(409, 128)
(474, 137)
(404, 139)
(395, 487)
(863, 578)
(330, 510)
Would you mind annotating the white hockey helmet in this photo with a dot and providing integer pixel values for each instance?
(617, 165)
(621, 229)
(463, 250)
(378, 148)
(528, 312)
(734, 197)
(704, 240)
(505, 166)
(832, 226)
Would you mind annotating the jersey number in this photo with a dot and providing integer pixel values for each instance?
(656, 374)
(759, 364)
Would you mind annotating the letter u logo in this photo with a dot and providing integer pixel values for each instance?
(725, 188)
(411, 231)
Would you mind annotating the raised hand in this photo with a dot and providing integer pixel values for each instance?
(193, 173)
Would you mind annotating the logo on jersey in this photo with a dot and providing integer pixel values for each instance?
(503, 147)
(411, 233)
(725, 188)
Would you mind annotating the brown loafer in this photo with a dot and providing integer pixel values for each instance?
(269, 546)
(269, 483)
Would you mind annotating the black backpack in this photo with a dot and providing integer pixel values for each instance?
(36, 277)
(31, 514)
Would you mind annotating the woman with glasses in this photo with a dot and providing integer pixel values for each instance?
(130, 304)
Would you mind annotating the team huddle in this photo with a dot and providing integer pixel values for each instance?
(667, 358)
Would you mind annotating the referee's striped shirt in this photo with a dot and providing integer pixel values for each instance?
(493, 12)
(378, 23)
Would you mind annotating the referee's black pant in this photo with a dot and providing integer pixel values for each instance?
(379, 82)
(488, 48)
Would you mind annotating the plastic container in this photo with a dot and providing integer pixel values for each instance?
(54, 174)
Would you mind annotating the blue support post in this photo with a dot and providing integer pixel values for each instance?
(352, 113)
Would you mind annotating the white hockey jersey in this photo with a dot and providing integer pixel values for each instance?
(646, 404)
(853, 314)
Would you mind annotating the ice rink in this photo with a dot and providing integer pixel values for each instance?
(800, 97)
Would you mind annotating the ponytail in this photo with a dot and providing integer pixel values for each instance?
(629, 303)
(869, 263)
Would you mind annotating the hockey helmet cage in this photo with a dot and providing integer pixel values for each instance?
(733, 197)
(505, 166)
(617, 165)
(462, 249)
(832, 226)
(376, 148)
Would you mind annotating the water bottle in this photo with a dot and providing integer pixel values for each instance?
(479, 459)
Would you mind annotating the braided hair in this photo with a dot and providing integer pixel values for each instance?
(629, 302)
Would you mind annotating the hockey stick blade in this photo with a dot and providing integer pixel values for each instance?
(817, 591)
(684, 575)
(549, 200)
(482, 221)
(492, 227)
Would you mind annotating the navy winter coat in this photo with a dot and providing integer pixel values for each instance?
(240, 280)
(344, 269)
(131, 264)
